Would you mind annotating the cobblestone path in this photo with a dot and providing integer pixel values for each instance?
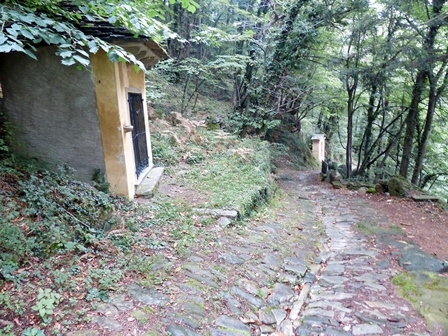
(306, 273)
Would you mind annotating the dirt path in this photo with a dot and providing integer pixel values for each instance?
(308, 272)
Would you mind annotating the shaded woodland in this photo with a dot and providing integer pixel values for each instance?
(371, 75)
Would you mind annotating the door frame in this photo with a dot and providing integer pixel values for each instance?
(144, 172)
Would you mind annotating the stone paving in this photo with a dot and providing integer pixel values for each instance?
(307, 273)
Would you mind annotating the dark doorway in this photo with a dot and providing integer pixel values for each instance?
(139, 132)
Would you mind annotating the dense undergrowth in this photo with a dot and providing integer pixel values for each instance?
(57, 241)
(45, 212)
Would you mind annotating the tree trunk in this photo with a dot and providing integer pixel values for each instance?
(425, 135)
(351, 90)
(366, 151)
(411, 121)
(433, 98)
(241, 93)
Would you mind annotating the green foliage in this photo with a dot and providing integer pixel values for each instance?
(3, 147)
(200, 76)
(26, 28)
(54, 195)
(195, 156)
(28, 23)
(255, 121)
(44, 212)
(298, 69)
(7, 330)
(106, 278)
(217, 37)
(166, 94)
(123, 241)
(290, 148)
(12, 303)
(242, 168)
(164, 151)
(12, 241)
(32, 332)
(151, 270)
(233, 171)
(5, 133)
(99, 181)
(64, 224)
(46, 302)
(97, 294)
(371, 190)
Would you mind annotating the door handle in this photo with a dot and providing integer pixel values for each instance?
(128, 128)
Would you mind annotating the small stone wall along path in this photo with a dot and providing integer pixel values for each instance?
(306, 273)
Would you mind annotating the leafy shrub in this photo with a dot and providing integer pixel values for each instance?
(290, 148)
(254, 122)
(12, 241)
(42, 212)
(33, 332)
(163, 151)
(107, 278)
(12, 303)
(195, 157)
(52, 195)
(3, 147)
(46, 302)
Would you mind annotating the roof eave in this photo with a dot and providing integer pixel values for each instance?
(145, 50)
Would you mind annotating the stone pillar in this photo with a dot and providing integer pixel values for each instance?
(319, 147)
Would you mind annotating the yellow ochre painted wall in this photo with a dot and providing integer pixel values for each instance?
(113, 81)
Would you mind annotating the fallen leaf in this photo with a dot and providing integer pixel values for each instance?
(246, 320)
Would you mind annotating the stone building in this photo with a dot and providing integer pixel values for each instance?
(91, 119)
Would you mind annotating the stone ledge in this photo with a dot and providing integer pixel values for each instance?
(232, 214)
(425, 198)
(149, 184)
